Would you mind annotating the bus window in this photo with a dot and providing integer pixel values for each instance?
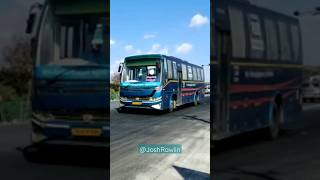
(284, 41)
(190, 77)
(169, 69)
(184, 72)
(194, 73)
(295, 42)
(272, 40)
(165, 70)
(256, 38)
(238, 33)
(47, 40)
(174, 70)
(202, 74)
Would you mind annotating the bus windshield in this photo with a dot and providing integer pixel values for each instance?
(73, 39)
(148, 73)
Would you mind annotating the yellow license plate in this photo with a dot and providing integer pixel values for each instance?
(136, 103)
(86, 132)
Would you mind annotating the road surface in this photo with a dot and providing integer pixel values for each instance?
(86, 164)
(294, 156)
(188, 126)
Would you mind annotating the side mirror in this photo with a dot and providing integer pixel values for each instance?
(30, 23)
(120, 68)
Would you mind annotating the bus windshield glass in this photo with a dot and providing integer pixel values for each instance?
(73, 39)
(135, 72)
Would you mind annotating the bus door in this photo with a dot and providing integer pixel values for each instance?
(223, 79)
(179, 99)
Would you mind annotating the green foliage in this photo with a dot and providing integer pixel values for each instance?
(114, 95)
(7, 93)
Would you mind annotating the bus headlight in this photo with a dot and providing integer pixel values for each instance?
(156, 106)
(155, 99)
(158, 88)
(123, 99)
(43, 116)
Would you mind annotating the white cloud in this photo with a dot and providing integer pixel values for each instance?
(184, 48)
(149, 36)
(198, 20)
(128, 48)
(112, 42)
(158, 49)
(131, 50)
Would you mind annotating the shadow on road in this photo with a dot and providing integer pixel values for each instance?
(151, 111)
(191, 174)
(244, 140)
(69, 156)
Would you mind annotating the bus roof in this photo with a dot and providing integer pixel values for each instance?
(159, 56)
(69, 7)
(221, 7)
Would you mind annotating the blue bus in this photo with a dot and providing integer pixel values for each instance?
(256, 69)
(160, 82)
(70, 45)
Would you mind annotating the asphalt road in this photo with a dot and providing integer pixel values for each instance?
(294, 156)
(69, 164)
(188, 126)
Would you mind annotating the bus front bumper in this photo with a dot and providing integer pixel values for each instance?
(157, 105)
(59, 132)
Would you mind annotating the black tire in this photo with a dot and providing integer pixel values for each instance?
(120, 110)
(172, 105)
(196, 99)
(274, 128)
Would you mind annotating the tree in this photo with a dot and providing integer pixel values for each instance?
(18, 72)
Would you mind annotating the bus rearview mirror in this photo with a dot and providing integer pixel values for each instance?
(120, 68)
(30, 23)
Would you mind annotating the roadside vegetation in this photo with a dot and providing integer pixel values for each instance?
(114, 87)
(15, 80)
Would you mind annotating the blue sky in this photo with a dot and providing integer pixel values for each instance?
(176, 28)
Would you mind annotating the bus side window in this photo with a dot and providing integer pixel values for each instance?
(202, 74)
(184, 72)
(190, 77)
(272, 40)
(295, 42)
(284, 41)
(239, 43)
(194, 74)
(199, 74)
(257, 45)
(174, 70)
(169, 69)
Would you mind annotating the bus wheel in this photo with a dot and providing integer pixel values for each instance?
(173, 104)
(196, 99)
(277, 118)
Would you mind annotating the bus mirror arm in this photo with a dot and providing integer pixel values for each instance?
(32, 17)
(120, 67)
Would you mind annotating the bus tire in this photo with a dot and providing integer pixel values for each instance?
(277, 118)
(196, 99)
(172, 105)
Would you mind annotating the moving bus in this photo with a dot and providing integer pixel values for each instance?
(160, 82)
(256, 69)
(70, 47)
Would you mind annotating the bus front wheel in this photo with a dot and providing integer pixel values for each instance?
(277, 118)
